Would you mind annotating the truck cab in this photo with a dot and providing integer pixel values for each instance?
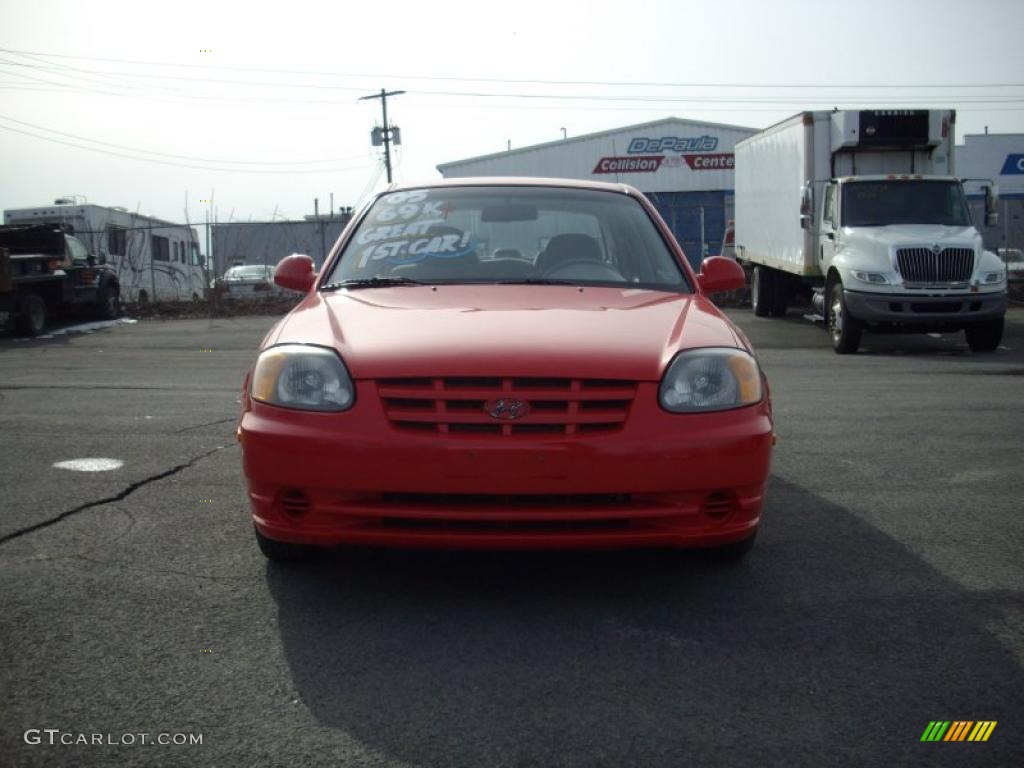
(44, 270)
(899, 252)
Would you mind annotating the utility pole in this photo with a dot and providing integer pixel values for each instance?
(386, 130)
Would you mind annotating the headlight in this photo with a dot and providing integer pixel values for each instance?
(712, 379)
(992, 277)
(876, 278)
(305, 377)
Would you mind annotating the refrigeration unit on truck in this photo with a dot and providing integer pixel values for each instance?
(154, 260)
(861, 211)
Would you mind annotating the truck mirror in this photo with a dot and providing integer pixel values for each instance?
(806, 205)
(991, 205)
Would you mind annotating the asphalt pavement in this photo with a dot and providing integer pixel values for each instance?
(886, 590)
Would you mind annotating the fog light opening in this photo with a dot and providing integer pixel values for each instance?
(294, 503)
(718, 504)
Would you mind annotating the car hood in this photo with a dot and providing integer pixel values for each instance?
(557, 331)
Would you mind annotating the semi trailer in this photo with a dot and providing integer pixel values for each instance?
(861, 212)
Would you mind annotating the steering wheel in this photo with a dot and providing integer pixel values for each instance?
(583, 269)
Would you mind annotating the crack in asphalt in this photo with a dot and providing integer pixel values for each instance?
(208, 424)
(110, 499)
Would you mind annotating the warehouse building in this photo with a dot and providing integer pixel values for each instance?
(684, 167)
(267, 242)
(1000, 158)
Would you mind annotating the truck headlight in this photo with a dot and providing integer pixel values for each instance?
(304, 377)
(875, 278)
(992, 278)
(711, 379)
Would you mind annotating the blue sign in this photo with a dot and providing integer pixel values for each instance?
(1014, 166)
(642, 146)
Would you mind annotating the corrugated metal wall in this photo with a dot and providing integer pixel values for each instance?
(682, 212)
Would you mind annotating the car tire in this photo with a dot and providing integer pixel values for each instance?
(735, 551)
(762, 283)
(31, 320)
(844, 330)
(984, 336)
(282, 551)
(108, 303)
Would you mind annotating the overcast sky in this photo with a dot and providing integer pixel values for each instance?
(258, 101)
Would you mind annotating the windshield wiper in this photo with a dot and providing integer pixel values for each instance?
(370, 282)
(537, 281)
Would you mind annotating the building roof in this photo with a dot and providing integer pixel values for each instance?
(674, 121)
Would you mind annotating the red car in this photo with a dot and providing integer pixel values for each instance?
(506, 363)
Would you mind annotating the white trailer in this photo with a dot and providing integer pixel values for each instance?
(153, 259)
(861, 212)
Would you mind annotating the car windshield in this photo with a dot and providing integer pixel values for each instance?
(248, 273)
(510, 234)
(879, 203)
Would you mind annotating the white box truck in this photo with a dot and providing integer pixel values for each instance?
(861, 211)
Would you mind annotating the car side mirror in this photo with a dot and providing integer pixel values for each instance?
(718, 274)
(295, 272)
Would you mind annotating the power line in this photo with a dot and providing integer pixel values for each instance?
(180, 165)
(531, 81)
(781, 100)
(180, 157)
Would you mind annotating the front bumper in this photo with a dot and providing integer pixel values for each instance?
(662, 479)
(929, 311)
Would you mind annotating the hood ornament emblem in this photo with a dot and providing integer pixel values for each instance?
(507, 409)
(936, 249)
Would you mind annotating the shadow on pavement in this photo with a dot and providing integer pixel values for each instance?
(830, 645)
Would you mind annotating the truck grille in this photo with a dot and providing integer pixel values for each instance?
(463, 405)
(922, 265)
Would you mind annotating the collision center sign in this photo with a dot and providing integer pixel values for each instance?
(643, 164)
(698, 152)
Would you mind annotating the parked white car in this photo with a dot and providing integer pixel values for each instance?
(1014, 260)
(250, 281)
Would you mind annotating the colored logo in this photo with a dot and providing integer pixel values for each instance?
(958, 730)
(507, 409)
(641, 145)
(720, 162)
(648, 164)
(1014, 166)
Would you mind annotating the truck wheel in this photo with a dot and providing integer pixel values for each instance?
(108, 304)
(781, 291)
(762, 291)
(282, 551)
(984, 336)
(844, 329)
(31, 316)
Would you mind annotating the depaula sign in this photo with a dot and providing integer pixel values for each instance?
(640, 145)
(1014, 166)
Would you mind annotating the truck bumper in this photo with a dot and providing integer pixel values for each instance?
(933, 312)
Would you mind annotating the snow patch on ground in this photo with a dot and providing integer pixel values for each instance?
(97, 325)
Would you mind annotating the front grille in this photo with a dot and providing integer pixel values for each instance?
(922, 265)
(458, 405)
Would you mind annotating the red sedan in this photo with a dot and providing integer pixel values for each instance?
(506, 363)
